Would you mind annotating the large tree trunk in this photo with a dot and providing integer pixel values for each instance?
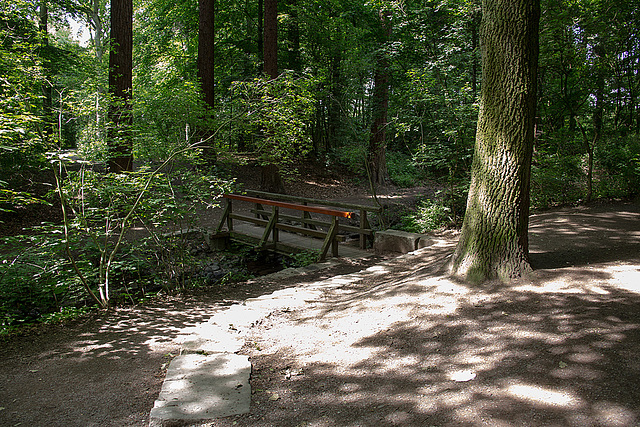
(293, 44)
(377, 161)
(494, 238)
(120, 86)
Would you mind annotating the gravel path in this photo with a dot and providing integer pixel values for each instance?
(389, 342)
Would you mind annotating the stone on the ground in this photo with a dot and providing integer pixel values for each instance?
(203, 387)
(395, 241)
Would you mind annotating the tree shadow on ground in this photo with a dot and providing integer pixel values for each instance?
(107, 370)
(582, 236)
(518, 358)
(559, 348)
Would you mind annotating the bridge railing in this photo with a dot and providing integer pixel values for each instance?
(363, 229)
(273, 220)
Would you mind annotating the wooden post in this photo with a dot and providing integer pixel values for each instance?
(363, 221)
(229, 219)
(225, 216)
(330, 240)
(271, 228)
(307, 215)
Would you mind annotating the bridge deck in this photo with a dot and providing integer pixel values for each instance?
(295, 241)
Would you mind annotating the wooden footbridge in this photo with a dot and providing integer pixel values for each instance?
(288, 226)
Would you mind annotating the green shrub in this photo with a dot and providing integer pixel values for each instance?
(302, 259)
(556, 180)
(429, 215)
(351, 156)
(35, 277)
(402, 170)
(617, 164)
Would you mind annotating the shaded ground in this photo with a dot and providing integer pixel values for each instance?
(394, 344)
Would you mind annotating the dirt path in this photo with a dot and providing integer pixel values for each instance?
(394, 344)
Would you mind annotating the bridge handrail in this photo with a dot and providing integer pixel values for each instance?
(344, 205)
(295, 206)
(273, 224)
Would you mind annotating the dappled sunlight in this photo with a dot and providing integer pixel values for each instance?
(430, 351)
(541, 396)
(586, 236)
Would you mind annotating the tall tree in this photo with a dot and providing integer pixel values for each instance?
(47, 102)
(377, 163)
(494, 238)
(270, 44)
(206, 62)
(271, 180)
(120, 86)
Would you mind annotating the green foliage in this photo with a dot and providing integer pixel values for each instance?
(65, 314)
(618, 167)
(21, 81)
(560, 178)
(403, 171)
(100, 209)
(556, 180)
(351, 156)
(167, 116)
(278, 111)
(303, 259)
(429, 215)
(35, 277)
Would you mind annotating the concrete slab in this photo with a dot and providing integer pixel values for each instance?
(395, 241)
(208, 380)
(203, 387)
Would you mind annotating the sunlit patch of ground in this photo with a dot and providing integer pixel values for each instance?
(401, 344)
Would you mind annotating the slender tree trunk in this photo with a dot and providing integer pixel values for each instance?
(494, 238)
(261, 30)
(293, 50)
(47, 95)
(271, 38)
(588, 148)
(206, 59)
(271, 179)
(377, 164)
(206, 70)
(334, 108)
(120, 86)
(475, 23)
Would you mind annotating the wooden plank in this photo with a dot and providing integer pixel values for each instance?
(270, 229)
(225, 216)
(343, 227)
(344, 205)
(315, 209)
(287, 227)
(330, 240)
(251, 234)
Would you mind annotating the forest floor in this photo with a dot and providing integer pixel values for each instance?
(389, 342)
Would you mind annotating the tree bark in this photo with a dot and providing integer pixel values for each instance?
(271, 38)
(206, 59)
(494, 238)
(47, 93)
(271, 179)
(206, 70)
(377, 164)
(293, 44)
(120, 87)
